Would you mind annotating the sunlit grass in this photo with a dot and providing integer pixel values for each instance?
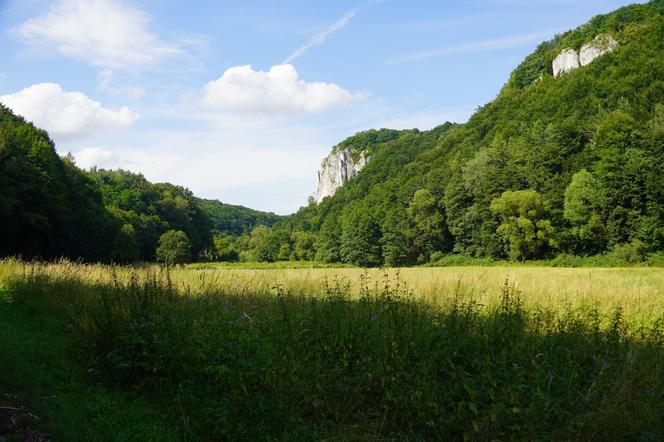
(409, 354)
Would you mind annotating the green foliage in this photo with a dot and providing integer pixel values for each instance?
(524, 225)
(228, 219)
(606, 118)
(632, 253)
(225, 248)
(328, 240)
(55, 397)
(174, 248)
(152, 209)
(48, 207)
(373, 364)
(584, 202)
(396, 242)
(366, 141)
(304, 246)
(589, 143)
(360, 239)
(428, 221)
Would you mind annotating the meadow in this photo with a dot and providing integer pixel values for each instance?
(218, 352)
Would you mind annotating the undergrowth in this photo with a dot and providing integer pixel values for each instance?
(378, 364)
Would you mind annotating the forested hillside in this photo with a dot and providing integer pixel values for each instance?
(233, 220)
(49, 208)
(570, 164)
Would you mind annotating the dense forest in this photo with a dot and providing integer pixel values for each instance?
(49, 208)
(554, 165)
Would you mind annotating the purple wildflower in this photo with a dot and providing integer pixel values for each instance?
(374, 317)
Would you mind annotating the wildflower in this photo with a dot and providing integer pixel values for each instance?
(374, 317)
(605, 363)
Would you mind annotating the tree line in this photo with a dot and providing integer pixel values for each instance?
(568, 165)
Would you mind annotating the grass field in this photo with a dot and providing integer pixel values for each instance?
(638, 290)
(220, 352)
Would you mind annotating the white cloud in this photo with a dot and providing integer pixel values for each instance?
(94, 156)
(65, 115)
(104, 33)
(275, 92)
(479, 46)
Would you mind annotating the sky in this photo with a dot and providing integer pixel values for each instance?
(241, 100)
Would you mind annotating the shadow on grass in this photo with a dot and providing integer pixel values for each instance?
(377, 364)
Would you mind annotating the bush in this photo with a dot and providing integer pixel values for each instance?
(630, 253)
(174, 248)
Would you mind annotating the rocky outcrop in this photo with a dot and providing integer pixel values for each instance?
(569, 59)
(566, 61)
(336, 170)
(602, 44)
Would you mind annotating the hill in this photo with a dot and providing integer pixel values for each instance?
(555, 164)
(229, 219)
(49, 208)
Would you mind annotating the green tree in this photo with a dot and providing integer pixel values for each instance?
(174, 248)
(524, 226)
(584, 202)
(428, 220)
(304, 245)
(329, 240)
(360, 239)
(396, 244)
(225, 249)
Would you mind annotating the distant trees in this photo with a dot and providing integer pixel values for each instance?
(360, 239)
(571, 164)
(428, 224)
(153, 209)
(583, 205)
(524, 226)
(174, 248)
(396, 242)
(328, 241)
(48, 207)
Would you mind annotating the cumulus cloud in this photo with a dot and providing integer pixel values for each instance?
(94, 156)
(275, 92)
(65, 115)
(104, 33)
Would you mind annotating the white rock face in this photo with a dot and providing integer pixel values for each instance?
(602, 44)
(335, 171)
(566, 61)
(569, 59)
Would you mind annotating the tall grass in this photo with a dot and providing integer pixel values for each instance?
(355, 361)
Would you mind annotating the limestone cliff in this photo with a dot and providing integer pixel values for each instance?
(569, 59)
(602, 44)
(566, 61)
(336, 170)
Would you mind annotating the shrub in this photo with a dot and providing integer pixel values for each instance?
(174, 248)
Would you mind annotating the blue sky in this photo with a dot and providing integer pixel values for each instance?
(240, 101)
